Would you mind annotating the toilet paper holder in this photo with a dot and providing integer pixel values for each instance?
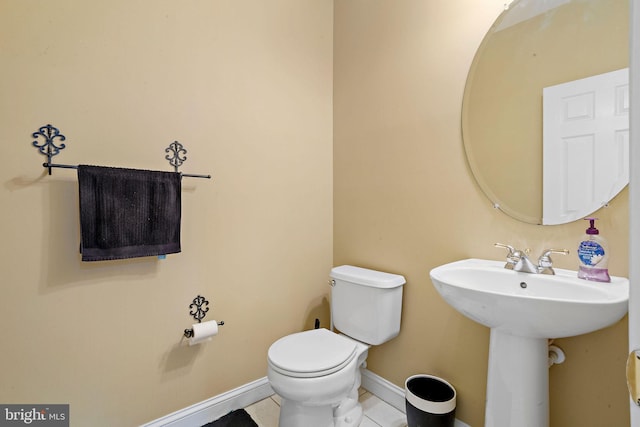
(198, 310)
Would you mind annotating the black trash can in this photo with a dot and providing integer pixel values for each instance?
(430, 401)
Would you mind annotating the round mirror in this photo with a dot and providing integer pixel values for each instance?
(537, 48)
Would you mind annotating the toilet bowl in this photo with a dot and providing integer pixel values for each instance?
(317, 375)
(317, 372)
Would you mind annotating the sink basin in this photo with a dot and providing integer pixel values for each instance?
(523, 310)
(532, 305)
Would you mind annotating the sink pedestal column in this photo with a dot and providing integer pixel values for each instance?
(517, 381)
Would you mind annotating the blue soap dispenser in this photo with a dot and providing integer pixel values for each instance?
(593, 255)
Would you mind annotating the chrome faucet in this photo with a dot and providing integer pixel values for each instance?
(518, 260)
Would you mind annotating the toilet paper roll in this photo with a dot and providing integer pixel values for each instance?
(203, 331)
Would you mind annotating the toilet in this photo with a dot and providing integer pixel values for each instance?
(317, 372)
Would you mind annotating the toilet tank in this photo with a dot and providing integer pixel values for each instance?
(366, 304)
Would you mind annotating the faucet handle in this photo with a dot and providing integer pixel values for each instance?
(510, 248)
(545, 259)
(512, 257)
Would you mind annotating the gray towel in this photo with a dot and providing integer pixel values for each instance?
(128, 213)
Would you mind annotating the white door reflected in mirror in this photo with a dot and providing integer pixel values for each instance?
(585, 145)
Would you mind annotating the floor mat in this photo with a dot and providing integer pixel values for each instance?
(238, 418)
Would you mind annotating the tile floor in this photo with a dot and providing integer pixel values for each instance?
(377, 413)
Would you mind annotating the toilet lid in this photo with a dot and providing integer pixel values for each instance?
(311, 353)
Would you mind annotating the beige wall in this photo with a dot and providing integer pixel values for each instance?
(246, 86)
(406, 202)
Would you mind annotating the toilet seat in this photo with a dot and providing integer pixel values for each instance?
(313, 353)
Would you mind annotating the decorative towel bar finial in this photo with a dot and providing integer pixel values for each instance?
(50, 149)
(174, 159)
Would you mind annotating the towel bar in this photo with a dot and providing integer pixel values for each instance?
(49, 148)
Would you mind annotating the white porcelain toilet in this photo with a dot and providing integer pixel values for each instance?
(317, 372)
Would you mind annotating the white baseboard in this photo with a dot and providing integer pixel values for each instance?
(211, 409)
(389, 392)
(385, 390)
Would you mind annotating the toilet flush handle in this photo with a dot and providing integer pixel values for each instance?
(332, 283)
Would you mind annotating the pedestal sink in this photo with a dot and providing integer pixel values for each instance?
(523, 311)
